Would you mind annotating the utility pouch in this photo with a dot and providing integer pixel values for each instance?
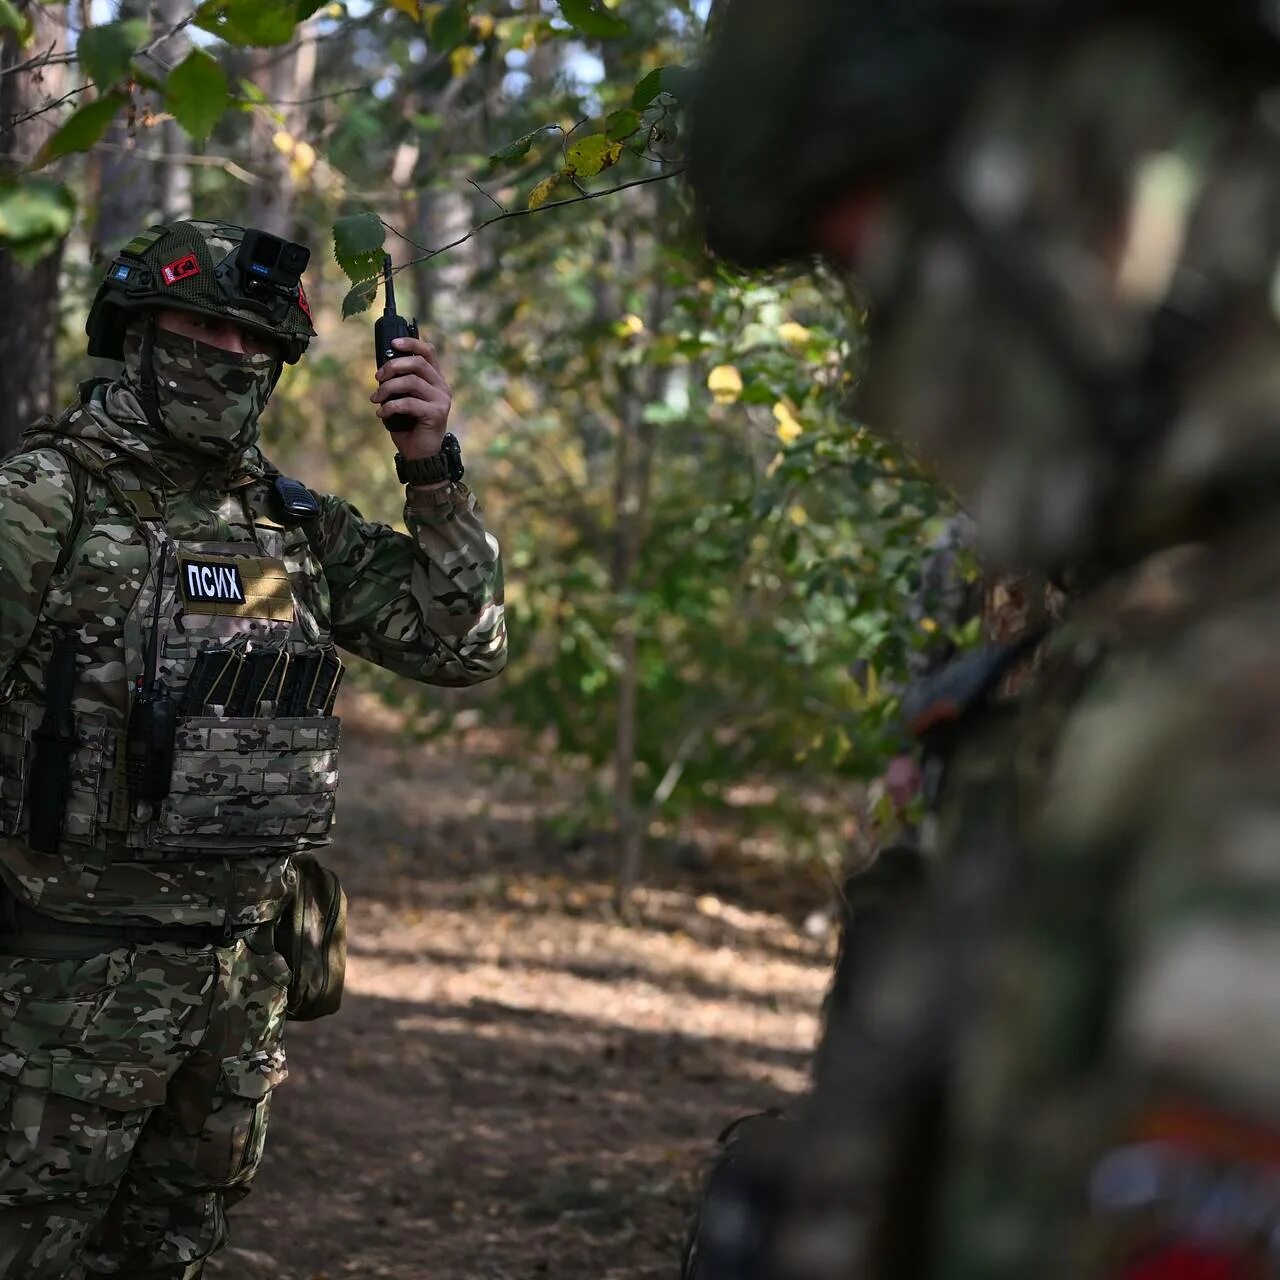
(311, 934)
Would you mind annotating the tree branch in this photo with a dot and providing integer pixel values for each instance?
(428, 254)
(51, 105)
(213, 162)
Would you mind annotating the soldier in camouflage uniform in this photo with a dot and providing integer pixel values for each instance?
(142, 997)
(1056, 1054)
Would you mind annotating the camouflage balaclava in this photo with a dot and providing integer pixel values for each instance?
(209, 400)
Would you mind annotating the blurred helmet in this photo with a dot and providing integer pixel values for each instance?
(1066, 216)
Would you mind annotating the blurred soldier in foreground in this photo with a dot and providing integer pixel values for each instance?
(1055, 1047)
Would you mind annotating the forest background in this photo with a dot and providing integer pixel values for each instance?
(713, 579)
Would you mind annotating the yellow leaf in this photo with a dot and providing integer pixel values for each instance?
(928, 625)
(725, 383)
(592, 155)
(482, 26)
(462, 59)
(788, 429)
(302, 161)
(793, 334)
(539, 195)
(411, 7)
(798, 516)
(283, 142)
(630, 326)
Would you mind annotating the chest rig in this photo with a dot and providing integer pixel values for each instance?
(196, 676)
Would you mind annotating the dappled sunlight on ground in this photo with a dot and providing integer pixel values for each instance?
(518, 1084)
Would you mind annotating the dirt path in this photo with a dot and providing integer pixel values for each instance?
(517, 1085)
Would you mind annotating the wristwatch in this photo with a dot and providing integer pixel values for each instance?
(445, 465)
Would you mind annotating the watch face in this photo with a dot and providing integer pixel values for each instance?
(451, 451)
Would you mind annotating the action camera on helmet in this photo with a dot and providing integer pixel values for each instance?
(265, 272)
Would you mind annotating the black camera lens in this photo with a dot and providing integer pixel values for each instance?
(294, 258)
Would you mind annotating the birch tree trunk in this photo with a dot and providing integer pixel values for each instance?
(173, 180)
(120, 185)
(287, 76)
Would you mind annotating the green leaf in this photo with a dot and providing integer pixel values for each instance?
(81, 129)
(249, 22)
(12, 20)
(35, 214)
(360, 298)
(358, 241)
(451, 26)
(622, 124)
(592, 20)
(197, 93)
(105, 52)
(677, 81)
(588, 157)
(516, 150)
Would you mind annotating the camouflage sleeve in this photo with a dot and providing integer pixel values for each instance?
(427, 605)
(37, 506)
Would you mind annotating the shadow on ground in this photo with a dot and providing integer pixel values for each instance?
(518, 1085)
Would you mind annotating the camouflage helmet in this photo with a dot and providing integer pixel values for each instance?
(211, 268)
(1063, 216)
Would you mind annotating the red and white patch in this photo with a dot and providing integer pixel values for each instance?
(181, 269)
(1194, 1195)
(302, 301)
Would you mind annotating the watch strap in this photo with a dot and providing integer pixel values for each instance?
(445, 465)
(422, 470)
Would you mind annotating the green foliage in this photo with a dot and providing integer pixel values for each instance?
(674, 81)
(12, 20)
(82, 128)
(358, 241)
(518, 149)
(197, 93)
(592, 19)
(251, 22)
(34, 215)
(451, 26)
(106, 52)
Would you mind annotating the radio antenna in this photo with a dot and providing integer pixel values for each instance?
(388, 286)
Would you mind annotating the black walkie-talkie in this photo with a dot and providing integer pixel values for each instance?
(388, 328)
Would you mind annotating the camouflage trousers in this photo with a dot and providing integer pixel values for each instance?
(134, 1091)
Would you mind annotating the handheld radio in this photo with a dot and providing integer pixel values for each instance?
(390, 326)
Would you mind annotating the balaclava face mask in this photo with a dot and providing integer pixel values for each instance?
(209, 400)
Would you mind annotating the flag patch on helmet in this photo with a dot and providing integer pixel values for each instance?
(204, 582)
(1192, 1195)
(181, 269)
(302, 301)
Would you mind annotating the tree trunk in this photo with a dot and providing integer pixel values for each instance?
(29, 327)
(121, 185)
(637, 444)
(287, 77)
(173, 180)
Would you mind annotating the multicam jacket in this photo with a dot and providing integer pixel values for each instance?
(82, 542)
